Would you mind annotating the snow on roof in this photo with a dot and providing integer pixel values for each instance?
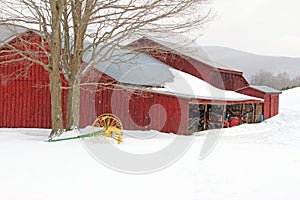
(9, 32)
(265, 89)
(185, 46)
(190, 86)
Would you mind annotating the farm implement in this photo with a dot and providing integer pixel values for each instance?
(106, 125)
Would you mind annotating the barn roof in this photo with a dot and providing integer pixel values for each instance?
(140, 69)
(133, 68)
(265, 89)
(9, 32)
(185, 46)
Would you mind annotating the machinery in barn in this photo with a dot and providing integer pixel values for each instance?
(232, 119)
(207, 116)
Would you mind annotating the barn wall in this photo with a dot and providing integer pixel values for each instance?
(276, 105)
(24, 85)
(25, 102)
(233, 81)
(143, 110)
(93, 83)
(155, 111)
(267, 106)
(24, 91)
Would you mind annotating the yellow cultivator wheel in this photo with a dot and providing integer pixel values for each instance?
(109, 126)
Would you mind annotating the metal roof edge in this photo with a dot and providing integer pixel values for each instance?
(257, 87)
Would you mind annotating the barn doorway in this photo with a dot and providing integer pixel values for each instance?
(205, 116)
(213, 116)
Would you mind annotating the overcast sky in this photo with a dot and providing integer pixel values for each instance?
(269, 27)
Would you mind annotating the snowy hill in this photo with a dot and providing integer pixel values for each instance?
(251, 63)
(252, 161)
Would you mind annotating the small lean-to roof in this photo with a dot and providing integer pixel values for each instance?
(183, 45)
(265, 89)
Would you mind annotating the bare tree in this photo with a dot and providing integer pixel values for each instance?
(95, 28)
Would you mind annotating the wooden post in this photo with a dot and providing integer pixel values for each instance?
(253, 112)
(224, 115)
(204, 118)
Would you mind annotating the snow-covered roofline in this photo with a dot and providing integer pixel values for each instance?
(190, 86)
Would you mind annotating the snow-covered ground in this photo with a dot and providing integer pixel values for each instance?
(258, 161)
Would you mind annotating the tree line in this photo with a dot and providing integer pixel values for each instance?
(280, 81)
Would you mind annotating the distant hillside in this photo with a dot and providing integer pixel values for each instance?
(251, 63)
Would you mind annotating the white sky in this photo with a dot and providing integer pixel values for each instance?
(269, 27)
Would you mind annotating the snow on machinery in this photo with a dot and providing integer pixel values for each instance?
(105, 125)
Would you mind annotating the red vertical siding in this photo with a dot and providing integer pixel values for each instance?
(144, 111)
(267, 106)
(276, 105)
(25, 95)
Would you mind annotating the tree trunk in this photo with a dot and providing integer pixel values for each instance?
(73, 113)
(56, 104)
(56, 8)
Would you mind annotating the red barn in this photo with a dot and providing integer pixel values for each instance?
(151, 95)
(184, 54)
(144, 92)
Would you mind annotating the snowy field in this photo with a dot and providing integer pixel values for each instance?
(258, 161)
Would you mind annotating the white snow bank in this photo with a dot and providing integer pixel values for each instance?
(252, 161)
